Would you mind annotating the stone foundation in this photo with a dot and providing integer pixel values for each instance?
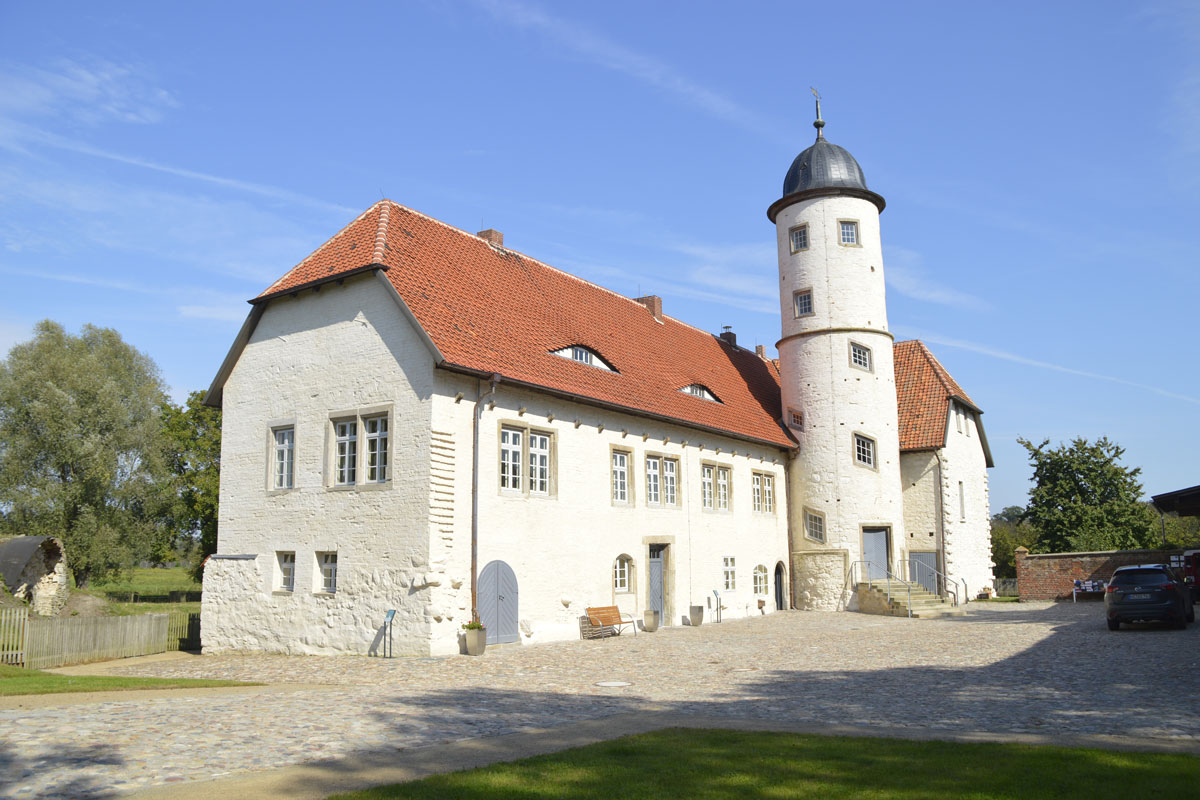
(819, 578)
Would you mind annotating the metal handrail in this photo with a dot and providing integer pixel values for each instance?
(948, 585)
(888, 577)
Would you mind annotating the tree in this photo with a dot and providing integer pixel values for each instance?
(81, 454)
(193, 434)
(1010, 531)
(1084, 499)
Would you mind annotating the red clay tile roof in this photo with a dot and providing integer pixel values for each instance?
(923, 392)
(490, 309)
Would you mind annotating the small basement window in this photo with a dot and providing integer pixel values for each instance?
(584, 355)
(701, 391)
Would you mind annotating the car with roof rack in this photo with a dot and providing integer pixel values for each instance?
(1148, 592)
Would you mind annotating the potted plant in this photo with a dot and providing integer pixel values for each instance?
(475, 636)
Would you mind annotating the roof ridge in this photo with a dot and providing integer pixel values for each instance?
(381, 233)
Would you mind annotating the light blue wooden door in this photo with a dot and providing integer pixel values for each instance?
(875, 550)
(655, 600)
(922, 568)
(497, 599)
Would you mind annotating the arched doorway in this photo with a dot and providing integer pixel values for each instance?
(497, 602)
(780, 583)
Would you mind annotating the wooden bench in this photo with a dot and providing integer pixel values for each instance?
(608, 620)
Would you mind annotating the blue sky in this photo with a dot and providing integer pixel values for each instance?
(160, 163)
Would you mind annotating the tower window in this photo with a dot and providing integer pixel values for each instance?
(795, 418)
(849, 231)
(814, 526)
(803, 302)
(860, 356)
(799, 236)
(864, 450)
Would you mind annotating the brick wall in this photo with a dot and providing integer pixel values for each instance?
(1051, 576)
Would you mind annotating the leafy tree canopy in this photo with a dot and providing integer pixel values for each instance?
(81, 454)
(1084, 499)
(193, 434)
(1010, 531)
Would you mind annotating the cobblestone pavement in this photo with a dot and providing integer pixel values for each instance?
(1020, 668)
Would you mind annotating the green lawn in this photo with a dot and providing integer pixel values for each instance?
(14, 680)
(157, 582)
(712, 764)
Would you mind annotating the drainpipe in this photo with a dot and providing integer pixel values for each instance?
(941, 518)
(483, 397)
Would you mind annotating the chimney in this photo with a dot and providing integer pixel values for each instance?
(729, 336)
(492, 236)
(652, 302)
(760, 351)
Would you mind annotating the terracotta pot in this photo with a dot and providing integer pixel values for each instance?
(650, 621)
(476, 641)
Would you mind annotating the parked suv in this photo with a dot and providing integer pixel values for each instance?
(1148, 592)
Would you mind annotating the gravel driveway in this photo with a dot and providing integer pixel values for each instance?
(1019, 668)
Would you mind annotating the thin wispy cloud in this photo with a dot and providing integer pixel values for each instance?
(87, 92)
(646, 69)
(993, 352)
(906, 275)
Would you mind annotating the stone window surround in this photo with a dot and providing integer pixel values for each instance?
(761, 581)
(717, 466)
(768, 501)
(857, 233)
(812, 312)
(319, 573)
(630, 575)
(273, 426)
(525, 429)
(663, 458)
(855, 436)
(792, 240)
(358, 415)
(792, 422)
(824, 526)
(280, 585)
(870, 356)
(630, 477)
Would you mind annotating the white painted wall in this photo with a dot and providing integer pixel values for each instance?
(968, 535)
(338, 350)
(837, 399)
(562, 547)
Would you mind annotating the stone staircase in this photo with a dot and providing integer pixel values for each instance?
(873, 599)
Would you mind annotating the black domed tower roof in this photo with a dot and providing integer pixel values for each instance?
(822, 170)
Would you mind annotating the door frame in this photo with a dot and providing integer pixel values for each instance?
(667, 588)
(862, 541)
(781, 586)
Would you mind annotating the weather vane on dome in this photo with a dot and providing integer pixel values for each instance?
(820, 123)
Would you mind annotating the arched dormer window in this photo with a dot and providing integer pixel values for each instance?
(584, 355)
(701, 391)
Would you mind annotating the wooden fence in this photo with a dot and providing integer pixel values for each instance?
(58, 642)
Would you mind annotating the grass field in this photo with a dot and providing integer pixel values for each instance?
(147, 581)
(734, 765)
(14, 680)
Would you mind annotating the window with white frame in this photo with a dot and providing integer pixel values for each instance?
(346, 465)
(511, 444)
(795, 418)
(962, 503)
(285, 458)
(653, 480)
(701, 391)
(584, 355)
(376, 430)
(864, 450)
(670, 481)
(730, 572)
(860, 356)
(287, 570)
(756, 492)
(849, 231)
(799, 237)
(814, 526)
(620, 476)
(328, 564)
(760, 579)
(581, 354)
(803, 302)
(706, 486)
(763, 490)
(622, 569)
(539, 463)
(723, 488)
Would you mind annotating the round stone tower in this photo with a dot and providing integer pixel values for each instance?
(837, 375)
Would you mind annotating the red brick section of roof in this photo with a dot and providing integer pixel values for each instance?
(490, 309)
(923, 392)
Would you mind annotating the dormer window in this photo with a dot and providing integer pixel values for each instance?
(584, 355)
(701, 391)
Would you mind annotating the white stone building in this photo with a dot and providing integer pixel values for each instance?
(420, 420)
